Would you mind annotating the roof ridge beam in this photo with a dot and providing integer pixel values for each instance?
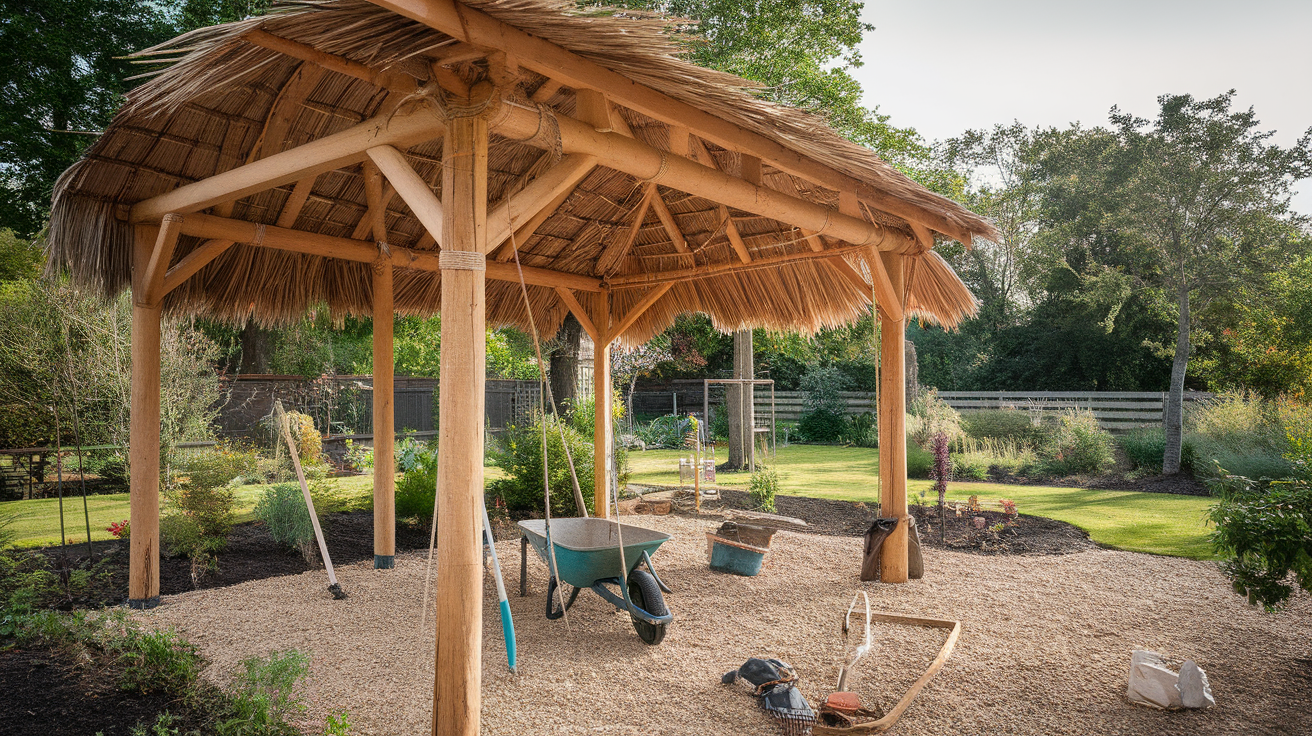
(557, 63)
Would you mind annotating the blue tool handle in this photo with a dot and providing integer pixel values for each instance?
(508, 631)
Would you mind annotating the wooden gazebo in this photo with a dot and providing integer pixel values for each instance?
(393, 157)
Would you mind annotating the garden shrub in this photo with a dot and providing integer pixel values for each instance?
(972, 466)
(822, 389)
(862, 431)
(719, 430)
(998, 424)
(1264, 532)
(1076, 445)
(417, 489)
(518, 451)
(763, 487)
(282, 509)
(202, 504)
(669, 431)
(927, 415)
(822, 425)
(920, 462)
(1146, 447)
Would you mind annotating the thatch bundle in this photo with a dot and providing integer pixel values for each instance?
(223, 101)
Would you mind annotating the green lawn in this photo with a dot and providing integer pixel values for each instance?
(1156, 523)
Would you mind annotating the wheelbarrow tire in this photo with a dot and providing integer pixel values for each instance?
(645, 593)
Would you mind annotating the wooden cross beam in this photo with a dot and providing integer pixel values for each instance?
(572, 303)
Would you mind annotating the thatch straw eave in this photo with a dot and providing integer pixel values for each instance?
(229, 101)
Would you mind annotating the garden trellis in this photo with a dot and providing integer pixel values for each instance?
(375, 158)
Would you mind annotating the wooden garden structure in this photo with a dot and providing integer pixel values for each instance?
(393, 157)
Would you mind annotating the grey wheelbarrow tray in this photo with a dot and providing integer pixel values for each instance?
(588, 556)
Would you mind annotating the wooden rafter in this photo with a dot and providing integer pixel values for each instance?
(623, 323)
(572, 303)
(545, 92)
(365, 225)
(526, 210)
(639, 280)
(735, 238)
(618, 250)
(291, 209)
(886, 295)
(395, 81)
(671, 226)
(315, 157)
(542, 56)
(373, 194)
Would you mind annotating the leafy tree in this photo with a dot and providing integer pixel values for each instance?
(1189, 200)
(61, 79)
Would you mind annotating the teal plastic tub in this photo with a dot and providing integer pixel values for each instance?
(735, 558)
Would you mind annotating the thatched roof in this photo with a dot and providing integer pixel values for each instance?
(224, 101)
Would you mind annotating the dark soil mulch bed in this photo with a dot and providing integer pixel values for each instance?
(45, 692)
(251, 554)
(1025, 535)
(1181, 484)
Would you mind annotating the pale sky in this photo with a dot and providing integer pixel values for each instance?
(943, 66)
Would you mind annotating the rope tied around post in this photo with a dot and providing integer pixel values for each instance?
(461, 260)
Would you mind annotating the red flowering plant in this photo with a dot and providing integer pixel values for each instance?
(119, 529)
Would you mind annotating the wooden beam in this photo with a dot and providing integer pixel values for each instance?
(640, 280)
(751, 169)
(735, 238)
(193, 262)
(414, 191)
(449, 80)
(680, 141)
(152, 282)
(648, 299)
(593, 108)
(671, 226)
(284, 110)
(532, 205)
(649, 164)
(813, 240)
(358, 251)
(459, 619)
(923, 234)
(457, 53)
(404, 129)
(542, 56)
(617, 251)
(887, 295)
(396, 81)
(851, 274)
(291, 209)
(384, 418)
(143, 442)
(365, 226)
(893, 558)
(572, 303)
(548, 90)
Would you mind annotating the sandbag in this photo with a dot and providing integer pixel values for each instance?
(875, 536)
(1155, 684)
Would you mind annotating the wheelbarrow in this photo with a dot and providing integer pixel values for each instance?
(588, 556)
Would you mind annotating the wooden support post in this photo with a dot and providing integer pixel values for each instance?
(893, 432)
(459, 619)
(603, 437)
(143, 443)
(384, 395)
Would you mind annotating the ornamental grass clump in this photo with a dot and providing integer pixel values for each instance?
(282, 509)
(763, 487)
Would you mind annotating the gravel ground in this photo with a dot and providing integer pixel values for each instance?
(1045, 646)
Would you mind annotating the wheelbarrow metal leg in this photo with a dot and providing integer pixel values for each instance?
(652, 568)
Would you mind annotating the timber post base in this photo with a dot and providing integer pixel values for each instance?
(384, 562)
(143, 604)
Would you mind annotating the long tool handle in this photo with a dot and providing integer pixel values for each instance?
(507, 623)
(305, 489)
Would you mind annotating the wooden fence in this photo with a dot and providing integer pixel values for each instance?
(1116, 411)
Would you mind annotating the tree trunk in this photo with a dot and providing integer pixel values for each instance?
(565, 365)
(256, 347)
(1174, 416)
(739, 404)
(912, 372)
